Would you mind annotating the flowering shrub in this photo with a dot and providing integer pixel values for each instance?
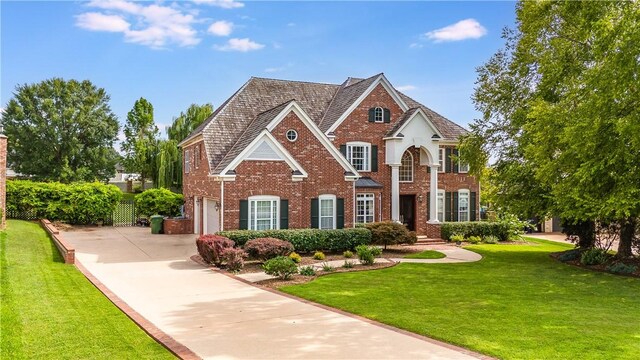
(267, 248)
(234, 258)
(210, 247)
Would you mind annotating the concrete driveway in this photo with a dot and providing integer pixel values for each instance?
(219, 317)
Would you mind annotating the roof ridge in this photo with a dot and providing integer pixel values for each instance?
(297, 81)
(326, 110)
(365, 79)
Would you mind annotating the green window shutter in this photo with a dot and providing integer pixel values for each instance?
(284, 214)
(339, 213)
(387, 115)
(372, 115)
(428, 212)
(447, 206)
(244, 215)
(315, 223)
(472, 207)
(455, 162)
(455, 206)
(374, 158)
(343, 150)
(447, 160)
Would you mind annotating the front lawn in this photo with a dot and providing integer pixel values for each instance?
(427, 254)
(516, 303)
(49, 310)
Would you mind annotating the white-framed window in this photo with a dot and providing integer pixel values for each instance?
(463, 205)
(406, 167)
(264, 212)
(378, 115)
(463, 167)
(365, 208)
(440, 205)
(292, 135)
(441, 159)
(359, 155)
(187, 161)
(327, 211)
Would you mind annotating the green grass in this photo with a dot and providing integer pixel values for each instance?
(128, 196)
(49, 310)
(427, 254)
(516, 303)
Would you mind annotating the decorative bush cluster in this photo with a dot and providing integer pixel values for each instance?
(456, 238)
(307, 240)
(307, 271)
(347, 254)
(490, 239)
(569, 255)
(210, 247)
(319, 255)
(76, 203)
(234, 258)
(621, 268)
(594, 256)
(158, 202)
(267, 248)
(474, 239)
(367, 254)
(295, 257)
(390, 233)
(281, 266)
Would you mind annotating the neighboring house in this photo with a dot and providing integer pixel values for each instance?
(292, 154)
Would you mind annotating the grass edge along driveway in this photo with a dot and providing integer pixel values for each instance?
(516, 303)
(49, 310)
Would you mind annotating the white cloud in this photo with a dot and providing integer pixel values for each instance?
(415, 46)
(242, 45)
(406, 87)
(291, 24)
(155, 26)
(221, 28)
(225, 4)
(100, 22)
(462, 30)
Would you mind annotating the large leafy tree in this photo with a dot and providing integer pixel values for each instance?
(169, 156)
(141, 138)
(61, 131)
(561, 112)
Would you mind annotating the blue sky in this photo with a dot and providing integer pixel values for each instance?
(178, 53)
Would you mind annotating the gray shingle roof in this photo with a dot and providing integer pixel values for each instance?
(245, 114)
(367, 182)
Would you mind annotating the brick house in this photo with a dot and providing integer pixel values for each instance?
(291, 154)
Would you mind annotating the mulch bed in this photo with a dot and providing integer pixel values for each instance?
(601, 267)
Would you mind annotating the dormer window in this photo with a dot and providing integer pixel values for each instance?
(378, 115)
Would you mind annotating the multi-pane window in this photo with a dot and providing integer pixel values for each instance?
(378, 115)
(263, 213)
(463, 167)
(364, 208)
(327, 211)
(463, 205)
(406, 167)
(187, 161)
(440, 205)
(359, 154)
(441, 159)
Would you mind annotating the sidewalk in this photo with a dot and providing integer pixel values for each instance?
(219, 317)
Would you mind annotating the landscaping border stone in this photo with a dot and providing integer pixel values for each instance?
(67, 251)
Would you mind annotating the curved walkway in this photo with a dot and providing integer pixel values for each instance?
(219, 317)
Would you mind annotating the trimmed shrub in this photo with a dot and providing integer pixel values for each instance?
(210, 247)
(594, 256)
(295, 257)
(234, 258)
(307, 271)
(75, 203)
(267, 248)
(390, 233)
(367, 254)
(456, 238)
(158, 202)
(490, 239)
(474, 239)
(569, 255)
(318, 255)
(347, 254)
(307, 240)
(280, 266)
(621, 268)
(475, 228)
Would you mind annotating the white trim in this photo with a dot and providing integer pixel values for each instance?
(429, 123)
(369, 197)
(193, 140)
(367, 149)
(196, 216)
(375, 114)
(294, 138)
(468, 193)
(412, 166)
(186, 162)
(205, 223)
(440, 192)
(387, 86)
(221, 205)
(252, 223)
(315, 130)
(334, 200)
(441, 152)
(266, 136)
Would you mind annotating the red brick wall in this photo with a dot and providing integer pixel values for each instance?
(198, 182)
(326, 176)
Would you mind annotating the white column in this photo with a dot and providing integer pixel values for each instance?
(433, 194)
(395, 192)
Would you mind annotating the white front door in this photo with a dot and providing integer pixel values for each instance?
(211, 217)
(196, 215)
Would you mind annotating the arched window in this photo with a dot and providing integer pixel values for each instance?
(406, 167)
(378, 115)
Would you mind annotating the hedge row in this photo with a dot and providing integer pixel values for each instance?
(475, 228)
(159, 201)
(76, 203)
(307, 240)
